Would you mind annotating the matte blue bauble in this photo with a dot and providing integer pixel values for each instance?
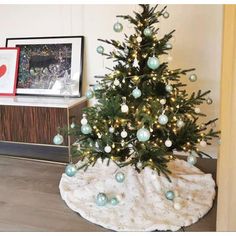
(118, 27)
(136, 93)
(163, 119)
(193, 78)
(120, 177)
(153, 63)
(89, 94)
(86, 129)
(143, 135)
(147, 32)
(100, 49)
(168, 46)
(101, 199)
(169, 88)
(170, 195)
(70, 170)
(58, 139)
(97, 87)
(192, 160)
(114, 201)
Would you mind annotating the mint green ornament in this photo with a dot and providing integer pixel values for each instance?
(153, 63)
(86, 129)
(89, 94)
(143, 135)
(101, 199)
(100, 49)
(117, 27)
(163, 119)
(170, 195)
(147, 32)
(70, 170)
(97, 87)
(136, 93)
(120, 177)
(114, 201)
(58, 139)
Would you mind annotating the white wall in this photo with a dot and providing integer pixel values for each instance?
(197, 40)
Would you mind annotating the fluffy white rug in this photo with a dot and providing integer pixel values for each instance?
(143, 205)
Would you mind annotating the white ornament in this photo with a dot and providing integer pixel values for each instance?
(124, 108)
(111, 129)
(197, 110)
(84, 121)
(116, 82)
(178, 206)
(180, 123)
(135, 63)
(168, 143)
(123, 134)
(203, 143)
(139, 39)
(139, 165)
(107, 149)
(163, 101)
(96, 144)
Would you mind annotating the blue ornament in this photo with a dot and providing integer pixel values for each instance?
(58, 139)
(101, 199)
(153, 63)
(117, 27)
(170, 195)
(136, 93)
(114, 201)
(120, 177)
(192, 160)
(143, 135)
(193, 78)
(163, 119)
(147, 32)
(86, 129)
(89, 94)
(169, 88)
(70, 170)
(100, 49)
(97, 87)
(168, 46)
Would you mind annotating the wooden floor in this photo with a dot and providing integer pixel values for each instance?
(30, 199)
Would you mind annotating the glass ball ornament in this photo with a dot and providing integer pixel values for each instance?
(116, 82)
(120, 177)
(192, 160)
(107, 149)
(153, 63)
(209, 101)
(97, 87)
(70, 170)
(86, 129)
(170, 195)
(168, 143)
(193, 78)
(147, 32)
(197, 110)
(84, 121)
(143, 134)
(100, 49)
(136, 93)
(117, 27)
(168, 46)
(163, 101)
(166, 15)
(72, 125)
(101, 199)
(58, 139)
(124, 108)
(124, 134)
(163, 119)
(178, 206)
(139, 39)
(203, 143)
(111, 129)
(169, 88)
(89, 94)
(114, 201)
(180, 124)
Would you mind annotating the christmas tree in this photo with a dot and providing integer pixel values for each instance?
(143, 111)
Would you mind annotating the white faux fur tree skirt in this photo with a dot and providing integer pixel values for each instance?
(143, 205)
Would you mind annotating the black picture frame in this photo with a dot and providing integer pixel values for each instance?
(35, 67)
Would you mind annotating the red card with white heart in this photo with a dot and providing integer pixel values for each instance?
(9, 59)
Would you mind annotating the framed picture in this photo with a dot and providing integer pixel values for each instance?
(9, 59)
(49, 66)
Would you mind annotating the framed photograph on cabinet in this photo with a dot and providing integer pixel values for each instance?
(51, 66)
(9, 59)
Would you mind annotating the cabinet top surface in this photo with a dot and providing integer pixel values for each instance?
(40, 101)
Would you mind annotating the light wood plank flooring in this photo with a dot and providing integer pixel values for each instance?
(30, 199)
